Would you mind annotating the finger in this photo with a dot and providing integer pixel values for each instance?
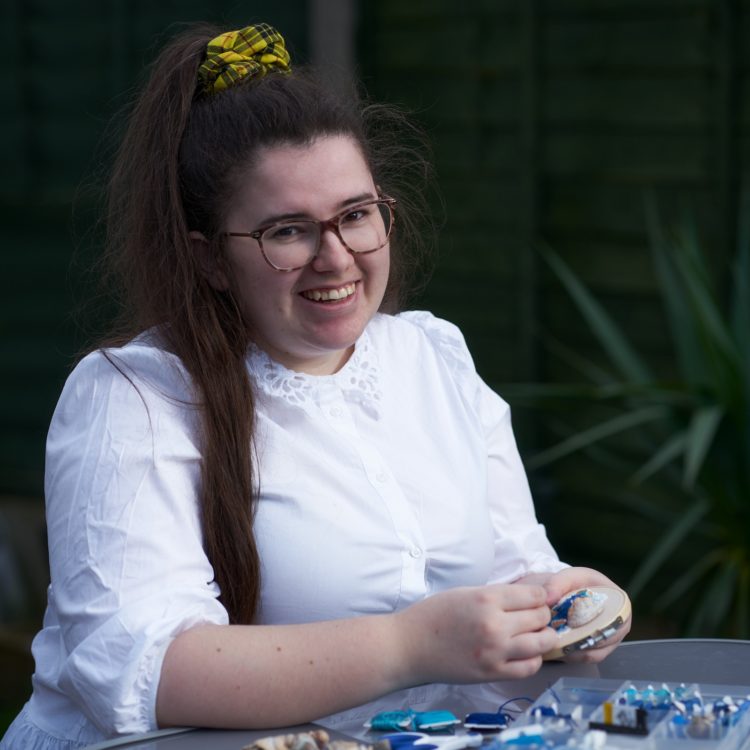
(518, 596)
(519, 669)
(590, 656)
(573, 578)
(528, 620)
(528, 645)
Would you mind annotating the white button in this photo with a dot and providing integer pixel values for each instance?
(415, 552)
(381, 477)
(336, 411)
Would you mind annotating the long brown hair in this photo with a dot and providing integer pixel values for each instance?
(175, 170)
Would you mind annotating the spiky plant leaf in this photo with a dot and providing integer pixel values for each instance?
(624, 357)
(700, 437)
(667, 544)
(594, 434)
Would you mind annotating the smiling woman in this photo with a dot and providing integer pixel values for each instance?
(309, 318)
(273, 495)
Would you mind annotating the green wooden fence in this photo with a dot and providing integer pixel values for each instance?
(550, 120)
(65, 70)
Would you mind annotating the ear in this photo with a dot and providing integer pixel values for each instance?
(208, 262)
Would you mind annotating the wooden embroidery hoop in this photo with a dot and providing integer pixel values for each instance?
(616, 611)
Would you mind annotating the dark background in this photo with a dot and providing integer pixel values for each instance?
(550, 120)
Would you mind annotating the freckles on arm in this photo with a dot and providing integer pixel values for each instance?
(256, 676)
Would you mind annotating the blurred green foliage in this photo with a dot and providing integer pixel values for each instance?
(674, 451)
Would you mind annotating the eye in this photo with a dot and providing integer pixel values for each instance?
(292, 232)
(360, 213)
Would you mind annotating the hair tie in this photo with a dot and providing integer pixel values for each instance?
(250, 52)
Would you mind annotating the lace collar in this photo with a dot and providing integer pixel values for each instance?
(358, 379)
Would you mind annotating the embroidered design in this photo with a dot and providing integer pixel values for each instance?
(358, 380)
(576, 608)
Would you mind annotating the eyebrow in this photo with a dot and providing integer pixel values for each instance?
(353, 201)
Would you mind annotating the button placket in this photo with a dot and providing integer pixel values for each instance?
(335, 410)
(337, 414)
(405, 523)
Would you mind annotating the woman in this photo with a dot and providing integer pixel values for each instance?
(270, 499)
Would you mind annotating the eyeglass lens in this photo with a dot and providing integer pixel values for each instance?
(295, 243)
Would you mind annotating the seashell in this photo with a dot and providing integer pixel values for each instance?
(585, 608)
(577, 608)
(302, 742)
(314, 740)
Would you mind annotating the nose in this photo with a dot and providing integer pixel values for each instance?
(333, 255)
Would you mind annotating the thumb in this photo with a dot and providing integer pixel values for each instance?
(572, 579)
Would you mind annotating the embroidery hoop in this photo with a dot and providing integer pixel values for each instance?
(616, 611)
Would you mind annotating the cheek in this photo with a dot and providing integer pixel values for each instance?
(388, 271)
(260, 292)
(387, 259)
(244, 287)
(381, 265)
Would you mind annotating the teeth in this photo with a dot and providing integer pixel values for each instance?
(329, 294)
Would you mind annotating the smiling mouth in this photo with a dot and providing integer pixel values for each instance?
(329, 295)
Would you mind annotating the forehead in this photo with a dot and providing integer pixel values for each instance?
(329, 168)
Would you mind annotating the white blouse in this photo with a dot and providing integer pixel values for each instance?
(393, 479)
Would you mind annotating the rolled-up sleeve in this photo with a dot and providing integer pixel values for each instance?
(128, 569)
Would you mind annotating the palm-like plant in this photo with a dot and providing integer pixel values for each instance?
(683, 443)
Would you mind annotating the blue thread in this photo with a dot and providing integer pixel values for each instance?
(513, 700)
(498, 720)
(485, 721)
(434, 720)
(389, 720)
(406, 720)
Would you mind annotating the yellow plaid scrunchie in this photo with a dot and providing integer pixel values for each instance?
(252, 51)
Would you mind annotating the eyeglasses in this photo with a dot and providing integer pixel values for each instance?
(290, 245)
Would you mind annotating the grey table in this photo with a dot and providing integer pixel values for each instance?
(720, 662)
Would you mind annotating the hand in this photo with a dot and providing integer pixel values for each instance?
(477, 634)
(570, 579)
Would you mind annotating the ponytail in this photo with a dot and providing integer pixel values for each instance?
(150, 250)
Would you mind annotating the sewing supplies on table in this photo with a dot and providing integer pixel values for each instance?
(572, 714)
(589, 714)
